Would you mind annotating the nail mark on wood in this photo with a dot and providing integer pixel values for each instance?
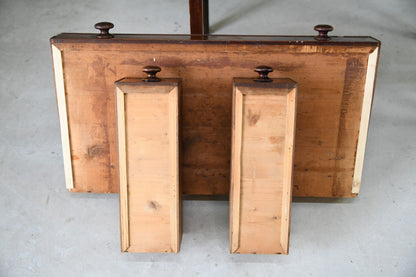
(98, 67)
(108, 66)
(154, 205)
(130, 62)
(276, 140)
(96, 151)
(289, 67)
(253, 117)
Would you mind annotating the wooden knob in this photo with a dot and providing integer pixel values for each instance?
(151, 71)
(323, 31)
(104, 28)
(263, 71)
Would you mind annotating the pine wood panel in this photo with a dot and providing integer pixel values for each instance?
(332, 78)
(148, 139)
(365, 119)
(262, 166)
(63, 115)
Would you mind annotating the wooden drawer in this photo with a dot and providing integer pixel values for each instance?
(335, 78)
(262, 165)
(148, 145)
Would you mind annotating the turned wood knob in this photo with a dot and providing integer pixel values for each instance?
(263, 71)
(151, 71)
(323, 31)
(104, 28)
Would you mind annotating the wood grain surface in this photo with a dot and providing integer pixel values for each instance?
(262, 165)
(148, 139)
(331, 77)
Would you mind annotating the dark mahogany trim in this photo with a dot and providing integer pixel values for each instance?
(263, 71)
(199, 17)
(274, 83)
(214, 39)
(151, 71)
(104, 28)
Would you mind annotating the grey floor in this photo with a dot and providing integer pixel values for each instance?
(47, 231)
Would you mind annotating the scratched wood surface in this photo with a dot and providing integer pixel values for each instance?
(148, 143)
(331, 78)
(262, 165)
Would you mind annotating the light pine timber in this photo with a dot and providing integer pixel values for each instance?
(332, 78)
(148, 145)
(365, 119)
(63, 116)
(262, 165)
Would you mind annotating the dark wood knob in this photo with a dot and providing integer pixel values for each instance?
(104, 28)
(151, 71)
(323, 31)
(263, 71)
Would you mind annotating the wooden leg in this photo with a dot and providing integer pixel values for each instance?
(198, 10)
